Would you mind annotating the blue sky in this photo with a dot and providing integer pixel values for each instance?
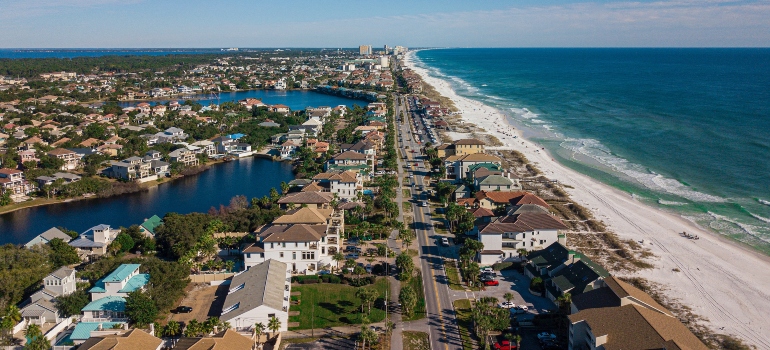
(328, 23)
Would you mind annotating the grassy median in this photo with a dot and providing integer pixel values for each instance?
(464, 323)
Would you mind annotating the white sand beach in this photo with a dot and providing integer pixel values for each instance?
(720, 280)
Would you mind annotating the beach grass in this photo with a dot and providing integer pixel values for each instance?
(416, 340)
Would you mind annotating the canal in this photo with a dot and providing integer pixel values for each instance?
(252, 177)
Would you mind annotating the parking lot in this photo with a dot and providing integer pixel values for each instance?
(205, 300)
(518, 284)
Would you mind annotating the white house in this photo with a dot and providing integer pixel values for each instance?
(42, 308)
(345, 184)
(123, 280)
(258, 295)
(306, 239)
(95, 240)
(503, 237)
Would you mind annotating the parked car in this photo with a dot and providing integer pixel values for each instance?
(487, 269)
(545, 335)
(491, 283)
(484, 278)
(444, 241)
(183, 310)
(504, 345)
(507, 305)
(350, 248)
(351, 256)
(368, 268)
(423, 204)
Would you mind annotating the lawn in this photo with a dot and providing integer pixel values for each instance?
(416, 341)
(463, 310)
(419, 309)
(335, 305)
(407, 207)
(453, 275)
(407, 193)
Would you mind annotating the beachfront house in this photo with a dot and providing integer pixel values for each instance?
(564, 271)
(505, 237)
(459, 167)
(258, 295)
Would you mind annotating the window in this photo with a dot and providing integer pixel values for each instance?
(296, 244)
(293, 255)
(231, 308)
(305, 244)
(261, 255)
(271, 245)
(308, 255)
(239, 287)
(270, 316)
(248, 255)
(283, 244)
(323, 250)
(281, 254)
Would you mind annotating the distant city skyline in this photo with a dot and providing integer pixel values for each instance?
(349, 24)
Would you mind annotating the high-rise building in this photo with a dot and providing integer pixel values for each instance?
(365, 50)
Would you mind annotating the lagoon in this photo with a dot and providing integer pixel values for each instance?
(252, 177)
(295, 99)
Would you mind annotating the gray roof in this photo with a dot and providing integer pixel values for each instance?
(262, 284)
(84, 242)
(495, 180)
(62, 272)
(527, 208)
(54, 232)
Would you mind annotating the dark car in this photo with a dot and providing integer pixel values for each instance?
(183, 310)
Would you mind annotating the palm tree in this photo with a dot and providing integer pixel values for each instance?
(172, 329)
(259, 328)
(14, 314)
(517, 340)
(508, 297)
(274, 325)
(338, 256)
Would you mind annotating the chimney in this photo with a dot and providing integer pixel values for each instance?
(216, 329)
(125, 326)
(99, 327)
(152, 329)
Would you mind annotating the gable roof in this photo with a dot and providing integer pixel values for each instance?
(304, 215)
(635, 327)
(226, 340)
(151, 223)
(292, 233)
(54, 232)
(307, 198)
(479, 157)
(350, 155)
(134, 339)
(262, 284)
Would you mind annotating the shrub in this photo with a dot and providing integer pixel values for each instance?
(305, 279)
(331, 279)
(360, 282)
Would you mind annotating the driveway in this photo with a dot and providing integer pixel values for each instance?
(205, 300)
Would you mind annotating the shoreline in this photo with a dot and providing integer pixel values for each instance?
(737, 307)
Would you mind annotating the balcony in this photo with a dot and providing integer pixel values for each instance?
(332, 240)
(314, 246)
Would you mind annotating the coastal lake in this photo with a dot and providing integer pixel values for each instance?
(251, 177)
(295, 99)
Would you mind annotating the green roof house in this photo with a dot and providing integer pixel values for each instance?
(125, 279)
(149, 225)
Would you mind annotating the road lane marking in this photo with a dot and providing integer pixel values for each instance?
(435, 285)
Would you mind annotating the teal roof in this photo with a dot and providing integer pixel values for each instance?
(135, 283)
(151, 223)
(118, 275)
(83, 329)
(121, 273)
(111, 303)
(489, 166)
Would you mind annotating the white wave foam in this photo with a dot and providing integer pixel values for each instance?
(764, 201)
(524, 113)
(597, 151)
(760, 218)
(748, 229)
(665, 202)
(547, 127)
(537, 121)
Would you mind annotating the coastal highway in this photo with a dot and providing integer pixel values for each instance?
(440, 313)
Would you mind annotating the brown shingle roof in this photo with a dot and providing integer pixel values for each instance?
(292, 233)
(304, 215)
(135, 339)
(479, 157)
(623, 290)
(635, 327)
(227, 340)
(307, 198)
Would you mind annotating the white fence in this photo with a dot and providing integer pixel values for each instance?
(53, 332)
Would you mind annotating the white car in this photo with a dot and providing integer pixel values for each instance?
(507, 305)
(522, 308)
(444, 242)
(487, 269)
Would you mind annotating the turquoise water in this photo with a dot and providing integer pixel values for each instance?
(687, 130)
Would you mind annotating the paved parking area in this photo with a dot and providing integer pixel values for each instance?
(518, 284)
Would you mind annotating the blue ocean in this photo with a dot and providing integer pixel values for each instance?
(687, 130)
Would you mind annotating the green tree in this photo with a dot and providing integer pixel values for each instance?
(36, 339)
(70, 305)
(408, 299)
(259, 328)
(405, 265)
(140, 308)
(126, 242)
(62, 253)
(274, 325)
(508, 296)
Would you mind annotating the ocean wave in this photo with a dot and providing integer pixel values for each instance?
(760, 218)
(596, 150)
(547, 127)
(524, 113)
(665, 202)
(763, 201)
(751, 230)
